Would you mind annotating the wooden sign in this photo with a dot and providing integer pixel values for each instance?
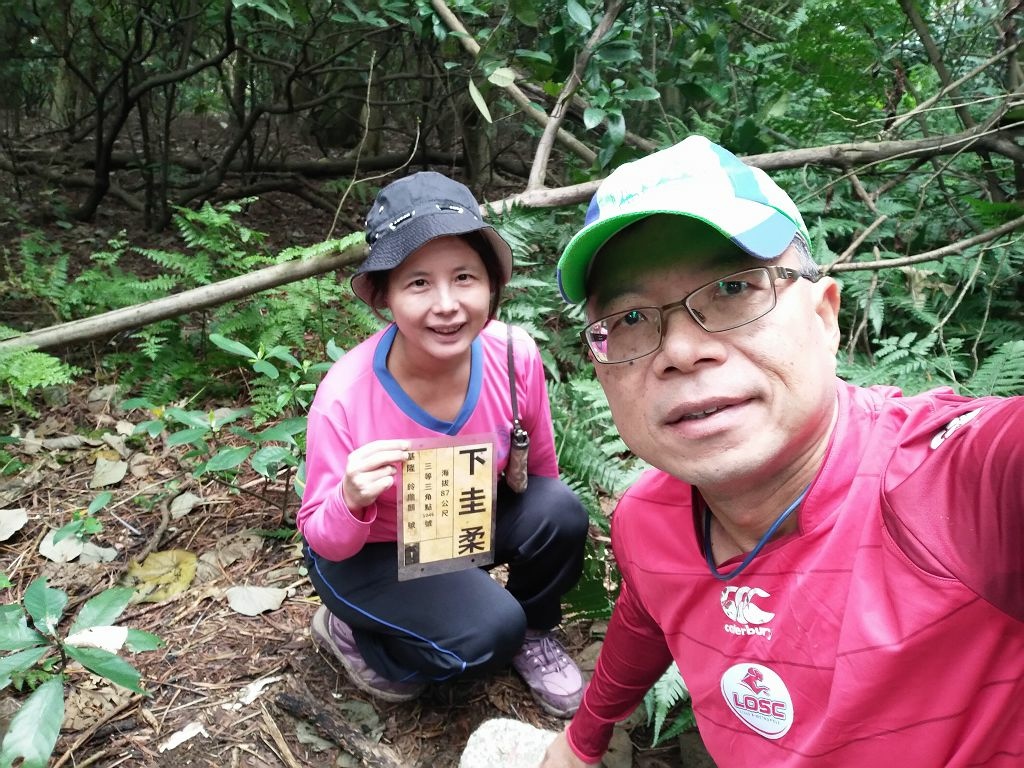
(446, 506)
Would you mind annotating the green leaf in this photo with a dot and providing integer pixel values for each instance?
(101, 500)
(15, 633)
(642, 93)
(616, 126)
(197, 419)
(618, 52)
(478, 99)
(20, 662)
(284, 431)
(333, 350)
(137, 402)
(232, 346)
(35, 727)
(593, 117)
(502, 77)
(524, 53)
(106, 664)
(103, 609)
(267, 369)
(579, 14)
(269, 458)
(778, 109)
(228, 458)
(152, 428)
(45, 605)
(194, 436)
(67, 531)
(138, 640)
(282, 353)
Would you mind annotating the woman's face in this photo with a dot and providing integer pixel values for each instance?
(440, 298)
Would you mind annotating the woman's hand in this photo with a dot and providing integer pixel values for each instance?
(371, 471)
(559, 755)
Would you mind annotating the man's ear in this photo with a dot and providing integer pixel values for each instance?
(827, 310)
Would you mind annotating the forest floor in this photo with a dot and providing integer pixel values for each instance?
(225, 689)
(254, 690)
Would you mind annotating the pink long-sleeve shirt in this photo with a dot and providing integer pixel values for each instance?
(359, 401)
(887, 630)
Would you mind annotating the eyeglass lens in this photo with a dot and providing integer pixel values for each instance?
(719, 306)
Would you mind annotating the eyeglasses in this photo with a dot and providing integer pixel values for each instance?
(721, 305)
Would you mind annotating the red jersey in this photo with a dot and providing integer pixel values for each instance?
(888, 629)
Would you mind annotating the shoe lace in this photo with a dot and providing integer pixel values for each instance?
(546, 651)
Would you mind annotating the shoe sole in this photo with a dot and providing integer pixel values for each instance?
(550, 708)
(322, 637)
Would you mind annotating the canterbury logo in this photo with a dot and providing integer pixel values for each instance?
(953, 426)
(738, 604)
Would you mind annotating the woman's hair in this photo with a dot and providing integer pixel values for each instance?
(379, 280)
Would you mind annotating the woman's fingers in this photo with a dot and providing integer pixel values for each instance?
(371, 471)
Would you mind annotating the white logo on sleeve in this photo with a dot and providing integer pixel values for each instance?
(953, 426)
(738, 604)
(759, 698)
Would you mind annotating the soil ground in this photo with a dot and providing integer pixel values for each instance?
(255, 687)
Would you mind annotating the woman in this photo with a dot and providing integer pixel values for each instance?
(439, 369)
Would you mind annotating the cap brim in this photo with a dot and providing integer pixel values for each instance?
(395, 247)
(765, 234)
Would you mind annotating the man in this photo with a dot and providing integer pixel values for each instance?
(836, 570)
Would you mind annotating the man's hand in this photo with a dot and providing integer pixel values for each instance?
(559, 755)
(371, 471)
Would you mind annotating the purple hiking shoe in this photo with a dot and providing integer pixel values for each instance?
(332, 634)
(553, 678)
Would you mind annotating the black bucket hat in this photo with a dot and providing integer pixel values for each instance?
(410, 212)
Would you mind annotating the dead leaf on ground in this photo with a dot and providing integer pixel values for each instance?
(161, 575)
(64, 551)
(108, 472)
(141, 464)
(87, 705)
(183, 504)
(190, 731)
(251, 692)
(238, 546)
(12, 521)
(110, 638)
(252, 601)
(93, 553)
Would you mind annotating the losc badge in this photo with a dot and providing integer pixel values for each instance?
(759, 698)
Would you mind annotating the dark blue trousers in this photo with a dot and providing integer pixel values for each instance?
(465, 622)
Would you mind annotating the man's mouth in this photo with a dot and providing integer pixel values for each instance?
(700, 414)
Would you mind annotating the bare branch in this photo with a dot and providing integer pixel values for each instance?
(530, 109)
(933, 255)
(952, 87)
(540, 160)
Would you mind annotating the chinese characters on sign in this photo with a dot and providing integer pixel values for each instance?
(446, 506)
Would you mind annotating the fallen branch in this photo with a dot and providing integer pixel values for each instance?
(118, 320)
(339, 732)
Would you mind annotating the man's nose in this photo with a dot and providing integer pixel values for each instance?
(685, 344)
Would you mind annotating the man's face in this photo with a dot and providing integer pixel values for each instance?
(723, 410)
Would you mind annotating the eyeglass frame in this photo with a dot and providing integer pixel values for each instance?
(774, 273)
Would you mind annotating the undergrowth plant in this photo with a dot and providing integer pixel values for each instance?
(668, 700)
(24, 372)
(42, 658)
(84, 523)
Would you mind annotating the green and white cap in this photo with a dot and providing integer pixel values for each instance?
(695, 178)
